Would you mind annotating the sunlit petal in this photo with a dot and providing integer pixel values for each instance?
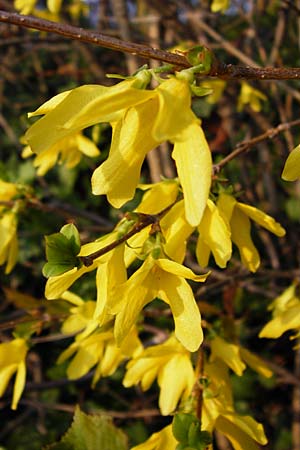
(261, 218)
(291, 170)
(194, 166)
(119, 175)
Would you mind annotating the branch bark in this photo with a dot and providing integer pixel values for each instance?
(218, 70)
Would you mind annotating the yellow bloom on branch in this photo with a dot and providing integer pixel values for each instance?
(171, 364)
(27, 6)
(250, 96)
(8, 226)
(220, 5)
(291, 170)
(141, 119)
(68, 151)
(162, 440)
(164, 279)
(12, 361)
(286, 314)
(237, 216)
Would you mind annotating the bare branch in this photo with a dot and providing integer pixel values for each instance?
(218, 70)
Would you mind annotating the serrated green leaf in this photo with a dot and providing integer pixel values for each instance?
(61, 251)
(91, 432)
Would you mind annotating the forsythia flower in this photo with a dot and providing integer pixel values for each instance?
(291, 170)
(27, 6)
(218, 411)
(8, 227)
(164, 279)
(220, 5)
(235, 356)
(251, 96)
(12, 360)
(286, 314)
(214, 236)
(141, 119)
(162, 440)
(67, 151)
(237, 216)
(171, 364)
(99, 348)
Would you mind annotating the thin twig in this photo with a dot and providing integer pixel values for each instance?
(218, 69)
(144, 221)
(247, 145)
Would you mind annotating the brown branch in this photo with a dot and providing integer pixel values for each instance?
(247, 145)
(219, 70)
(93, 37)
(144, 221)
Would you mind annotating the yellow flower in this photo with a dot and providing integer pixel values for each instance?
(214, 235)
(164, 279)
(286, 314)
(8, 240)
(237, 216)
(235, 356)
(251, 96)
(162, 440)
(57, 285)
(98, 349)
(171, 364)
(81, 316)
(68, 150)
(12, 361)
(27, 6)
(291, 170)
(141, 119)
(220, 5)
(8, 227)
(218, 411)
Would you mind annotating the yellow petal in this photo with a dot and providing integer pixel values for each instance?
(226, 204)
(291, 170)
(5, 375)
(255, 363)
(220, 5)
(173, 389)
(119, 175)
(174, 113)
(142, 370)
(261, 218)
(202, 252)
(162, 440)
(132, 297)
(237, 436)
(194, 166)
(86, 146)
(241, 236)
(50, 104)
(215, 233)
(229, 353)
(158, 197)
(56, 286)
(86, 357)
(287, 320)
(54, 6)
(178, 294)
(179, 270)
(109, 275)
(176, 231)
(82, 107)
(19, 385)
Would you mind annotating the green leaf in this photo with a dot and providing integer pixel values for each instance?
(181, 425)
(61, 251)
(91, 432)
